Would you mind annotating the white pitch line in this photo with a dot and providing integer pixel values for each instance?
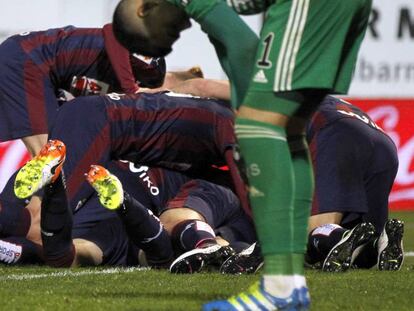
(20, 277)
(68, 273)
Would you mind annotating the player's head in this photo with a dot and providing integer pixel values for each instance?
(148, 27)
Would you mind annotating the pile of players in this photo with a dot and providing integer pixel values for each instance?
(163, 168)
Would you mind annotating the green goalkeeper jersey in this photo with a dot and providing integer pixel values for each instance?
(196, 9)
(199, 8)
(246, 7)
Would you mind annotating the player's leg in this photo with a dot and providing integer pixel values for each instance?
(34, 143)
(320, 245)
(386, 250)
(239, 231)
(87, 253)
(20, 251)
(44, 171)
(56, 225)
(143, 228)
(271, 172)
(191, 217)
(196, 241)
(188, 228)
(303, 178)
(332, 247)
(340, 196)
(298, 66)
(15, 219)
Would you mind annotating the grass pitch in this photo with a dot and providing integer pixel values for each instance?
(40, 288)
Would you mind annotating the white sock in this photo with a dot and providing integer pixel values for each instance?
(300, 281)
(280, 286)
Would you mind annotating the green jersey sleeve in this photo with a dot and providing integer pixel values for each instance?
(196, 9)
(235, 44)
(247, 7)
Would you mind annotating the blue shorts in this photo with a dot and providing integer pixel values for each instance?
(110, 236)
(219, 206)
(355, 166)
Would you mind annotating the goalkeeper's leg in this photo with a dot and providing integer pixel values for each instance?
(280, 219)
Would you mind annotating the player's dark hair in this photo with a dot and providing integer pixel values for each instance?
(130, 31)
(123, 25)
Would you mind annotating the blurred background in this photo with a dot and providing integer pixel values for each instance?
(383, 82)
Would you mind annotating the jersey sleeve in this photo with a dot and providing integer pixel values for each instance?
(248, 7)
(199, 8)
(119, 58)
(235, 44)
(196, 9)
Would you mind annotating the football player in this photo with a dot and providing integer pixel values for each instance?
(355, 165)
(34, 65)
(202, 218)
(188, 208)
(149, 128)
(307, 49)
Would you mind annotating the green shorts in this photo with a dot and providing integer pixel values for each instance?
(307, 44)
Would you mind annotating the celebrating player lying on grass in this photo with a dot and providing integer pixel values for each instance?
(164, 129)
(355, 165)
(174, 131)
(187, 208)
(335, 111)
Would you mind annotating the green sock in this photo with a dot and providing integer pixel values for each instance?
(269, 166)
(302, 168)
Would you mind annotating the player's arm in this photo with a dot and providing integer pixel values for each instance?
(235, 43)
(201, 87)
(197, 8)
(204, 88)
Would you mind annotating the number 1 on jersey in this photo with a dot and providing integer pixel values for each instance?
(264, 60)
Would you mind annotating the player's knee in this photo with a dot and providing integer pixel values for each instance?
(87, 253)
